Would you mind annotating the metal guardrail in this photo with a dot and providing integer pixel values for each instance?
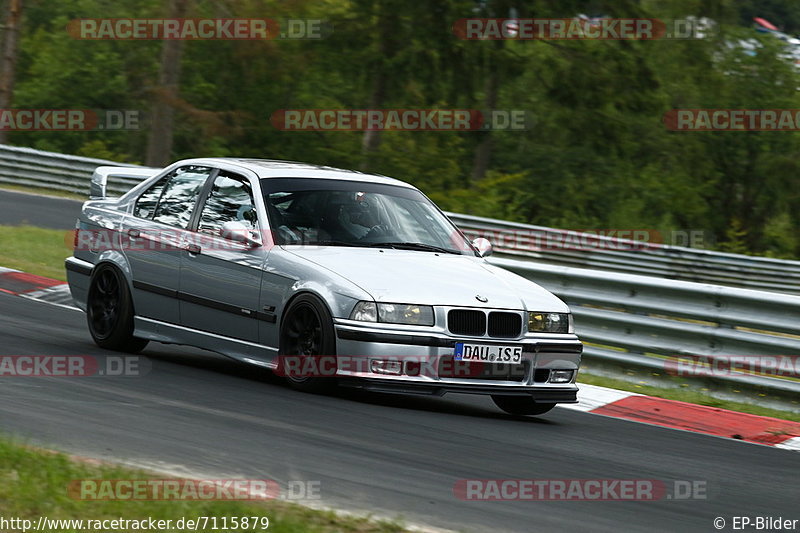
(49, 170)
(644, 322)
(626, 318)
(36, 168)
(584, 250)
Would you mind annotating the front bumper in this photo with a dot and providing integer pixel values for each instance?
(434, 350)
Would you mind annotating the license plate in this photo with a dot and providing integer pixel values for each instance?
(487, 353)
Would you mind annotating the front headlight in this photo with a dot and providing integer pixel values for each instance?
(365, 312)
(550, 322)
(418, 315)
(415, 315)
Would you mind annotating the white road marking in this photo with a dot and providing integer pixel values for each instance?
(791, 444)
(65, 306)
(591, 397)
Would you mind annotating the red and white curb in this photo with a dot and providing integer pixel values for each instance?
(36, 287)
(591, 398)
(688, 416)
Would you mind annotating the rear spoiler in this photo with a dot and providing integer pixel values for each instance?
(98, 187)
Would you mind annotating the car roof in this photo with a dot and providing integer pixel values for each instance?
(275, 168)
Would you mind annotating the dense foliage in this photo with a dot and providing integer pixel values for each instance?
(597, 156)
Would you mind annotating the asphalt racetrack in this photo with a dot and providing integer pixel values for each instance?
(197, 413)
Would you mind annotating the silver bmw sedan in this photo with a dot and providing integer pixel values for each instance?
(325, 276)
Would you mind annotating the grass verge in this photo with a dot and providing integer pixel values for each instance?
(34, 482)
(35, 250)
(686, 395)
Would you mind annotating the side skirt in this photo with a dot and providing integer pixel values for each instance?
(247, 352)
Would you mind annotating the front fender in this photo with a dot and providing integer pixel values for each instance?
(301, 275)
(340, 304)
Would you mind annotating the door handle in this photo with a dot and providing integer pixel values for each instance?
(192, 248)
(134, 233)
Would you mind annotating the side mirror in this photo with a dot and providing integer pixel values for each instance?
(237, 231)
(483, 246)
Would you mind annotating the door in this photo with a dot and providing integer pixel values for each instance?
(152, 236)
(220, 277)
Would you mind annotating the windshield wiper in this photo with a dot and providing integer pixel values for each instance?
(414, 246)
(331, 243)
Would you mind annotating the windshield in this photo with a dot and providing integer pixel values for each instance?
(350, 213)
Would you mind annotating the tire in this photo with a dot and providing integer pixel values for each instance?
(521, 405)
(307, 331)
(109, 312)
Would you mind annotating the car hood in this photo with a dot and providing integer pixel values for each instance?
(426, 278)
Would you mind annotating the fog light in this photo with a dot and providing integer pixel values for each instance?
(561, 376)
(386, 366)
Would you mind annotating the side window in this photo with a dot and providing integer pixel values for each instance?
(147, 202)
(178, 199)
(230, 199)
